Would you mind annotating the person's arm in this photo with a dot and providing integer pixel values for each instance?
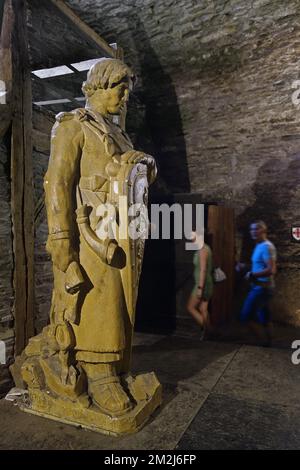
(66, 144)
(241, 267)
(135, 156)
(203, 254)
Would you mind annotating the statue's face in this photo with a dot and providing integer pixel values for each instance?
(111, 100)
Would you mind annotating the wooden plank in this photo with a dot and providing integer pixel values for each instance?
(87, 32)
(221, 225)
(22, 183)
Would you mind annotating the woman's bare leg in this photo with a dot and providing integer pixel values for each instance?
(204, 311)
(193, 309)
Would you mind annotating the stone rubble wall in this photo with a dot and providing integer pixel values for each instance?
(6, 267)
(6, 253)
(42, 124)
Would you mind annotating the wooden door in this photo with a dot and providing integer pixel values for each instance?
(221, 225)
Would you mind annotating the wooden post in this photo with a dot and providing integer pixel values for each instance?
(22, 181)
(221, 226)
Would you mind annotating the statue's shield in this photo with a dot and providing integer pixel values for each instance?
(133, 227)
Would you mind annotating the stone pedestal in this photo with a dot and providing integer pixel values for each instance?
(144, 389)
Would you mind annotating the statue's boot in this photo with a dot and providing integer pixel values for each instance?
(105, 388)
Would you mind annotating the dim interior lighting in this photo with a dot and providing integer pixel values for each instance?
(52, 72)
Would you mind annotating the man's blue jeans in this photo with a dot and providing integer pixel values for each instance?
(256, 306)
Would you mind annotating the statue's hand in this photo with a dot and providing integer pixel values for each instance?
(62, 253)
(134, 156)
(74, 278)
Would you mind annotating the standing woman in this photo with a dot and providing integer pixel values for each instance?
(198, 302)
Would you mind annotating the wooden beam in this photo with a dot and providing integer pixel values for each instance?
(221, 226)
(90, 35)
(22, 182)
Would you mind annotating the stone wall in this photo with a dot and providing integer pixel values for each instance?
(215, 83)
(42, 123)
(6, 256)
(6, 265)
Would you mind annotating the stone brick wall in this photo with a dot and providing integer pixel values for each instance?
(6, 256)
(6, 265)
(215, 84)
(42, 123)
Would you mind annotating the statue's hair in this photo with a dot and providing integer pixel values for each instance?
(104, 74)
(261, 224)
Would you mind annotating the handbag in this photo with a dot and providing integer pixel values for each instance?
(219, 275)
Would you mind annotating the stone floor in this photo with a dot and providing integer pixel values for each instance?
(217, 395)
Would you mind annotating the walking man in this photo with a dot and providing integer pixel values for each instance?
(256, 310)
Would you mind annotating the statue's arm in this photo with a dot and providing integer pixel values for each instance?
(66, 145)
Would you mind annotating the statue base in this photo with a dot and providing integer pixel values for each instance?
(145, 390)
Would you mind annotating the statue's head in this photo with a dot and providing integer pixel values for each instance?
(107, 87)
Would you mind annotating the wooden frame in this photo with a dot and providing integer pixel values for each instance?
(221, 226)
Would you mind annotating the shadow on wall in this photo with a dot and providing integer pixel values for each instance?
(162, 114)
(274, 189)
(156, 304)
(156, 307)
